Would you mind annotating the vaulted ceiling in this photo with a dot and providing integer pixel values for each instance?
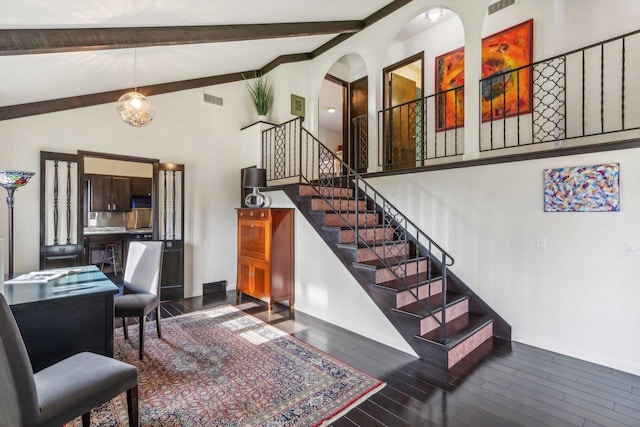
(62, 54)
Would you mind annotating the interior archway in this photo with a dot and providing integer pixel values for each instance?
(343, 111)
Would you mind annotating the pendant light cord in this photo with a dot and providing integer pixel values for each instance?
(135, 69)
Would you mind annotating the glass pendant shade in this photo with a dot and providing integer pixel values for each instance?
(135, 109)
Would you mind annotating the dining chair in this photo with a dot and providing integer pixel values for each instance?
(61, 392)
(141, 293)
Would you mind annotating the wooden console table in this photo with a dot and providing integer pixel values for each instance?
(64, 316)
(266, 255)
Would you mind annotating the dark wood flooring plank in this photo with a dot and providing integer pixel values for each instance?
(475, 416)
(436, 409)
(537, 409)
(584, 391)
(343, 422)
(507, 407)
(382, 415)
(597, 413)
(405, 413)
(633, 413)
(360, 418)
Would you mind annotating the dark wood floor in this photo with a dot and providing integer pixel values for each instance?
(516, 385)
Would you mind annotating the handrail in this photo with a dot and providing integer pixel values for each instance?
(425, 128)
(390, 239)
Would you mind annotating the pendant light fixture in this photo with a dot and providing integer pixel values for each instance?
(134, 108)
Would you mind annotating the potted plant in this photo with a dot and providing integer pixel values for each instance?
(261, 94)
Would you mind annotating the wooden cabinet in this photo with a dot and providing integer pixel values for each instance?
(141, 186)
(110, 193)
(266, 255)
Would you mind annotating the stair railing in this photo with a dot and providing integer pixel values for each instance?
(390, 239)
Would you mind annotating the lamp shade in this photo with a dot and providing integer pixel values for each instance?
(255, 178)
(12, 179)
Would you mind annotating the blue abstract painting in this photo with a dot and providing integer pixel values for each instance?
(582, 189)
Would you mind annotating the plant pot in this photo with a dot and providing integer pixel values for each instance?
(262, 118)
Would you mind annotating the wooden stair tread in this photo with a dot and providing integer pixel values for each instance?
(345, 212)
(413, 281)
(459, 329)
(416, 309)
(377, 264)
(373, 243)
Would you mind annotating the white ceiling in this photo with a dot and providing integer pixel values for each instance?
(39, 77)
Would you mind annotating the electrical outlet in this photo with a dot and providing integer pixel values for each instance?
(541, 241)
(633, 248)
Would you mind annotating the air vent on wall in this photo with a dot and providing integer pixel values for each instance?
(501, 4)
(212, 99)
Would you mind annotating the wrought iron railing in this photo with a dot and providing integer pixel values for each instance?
(420, 130)
(359, 152)
(582, 93)
(281, 150)
(373, 221)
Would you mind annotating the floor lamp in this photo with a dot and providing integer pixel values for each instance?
(11, 180)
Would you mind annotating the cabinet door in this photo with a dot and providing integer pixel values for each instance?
(120, 194)
(140, 186)
(100, 193)
(254, 234)
(254, 277)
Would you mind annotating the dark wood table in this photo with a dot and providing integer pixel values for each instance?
(64, 316)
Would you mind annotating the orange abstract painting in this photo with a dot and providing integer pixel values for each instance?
(508, 93)
(504, 95)
(449, 83)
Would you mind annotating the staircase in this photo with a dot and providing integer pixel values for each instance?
(405, 272)
(402, 275)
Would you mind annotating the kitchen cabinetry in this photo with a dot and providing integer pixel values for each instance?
(110, 193)
(141, 186)
(266, 255)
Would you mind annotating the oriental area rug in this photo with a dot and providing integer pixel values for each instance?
(223, 367)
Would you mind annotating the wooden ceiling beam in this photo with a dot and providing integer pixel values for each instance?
(49, 106)
(35, 41)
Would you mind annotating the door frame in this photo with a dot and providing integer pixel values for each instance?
(386, 71)
(387, 144)
(154, 179)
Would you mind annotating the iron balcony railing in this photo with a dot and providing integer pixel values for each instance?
(422, 129)
(582, 93)
(398, 243)
(359, 158)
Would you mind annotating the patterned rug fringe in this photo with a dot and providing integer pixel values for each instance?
(355, 403)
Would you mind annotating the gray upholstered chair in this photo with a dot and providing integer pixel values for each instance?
(61, 392)
(141, 294)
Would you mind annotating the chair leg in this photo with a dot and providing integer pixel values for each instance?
(86, 419)
(124, 326)
(132, 406)
(142, 320)
(158, 321)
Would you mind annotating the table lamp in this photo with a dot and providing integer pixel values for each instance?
(255, 178)
(11, 180)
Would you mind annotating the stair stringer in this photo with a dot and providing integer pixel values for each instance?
(408, 327)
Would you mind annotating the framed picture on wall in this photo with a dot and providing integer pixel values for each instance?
(582, 189)
(450, 82)
(505, 95)
(297, 105)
